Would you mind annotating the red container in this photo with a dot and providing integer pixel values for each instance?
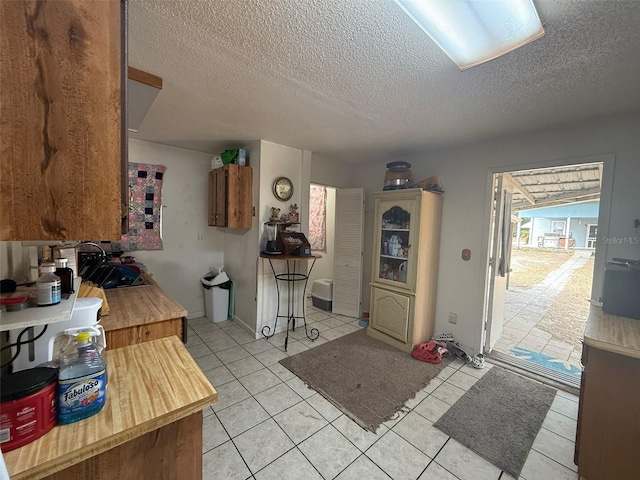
(28, 406)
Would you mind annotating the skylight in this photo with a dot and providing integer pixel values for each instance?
(472, 32)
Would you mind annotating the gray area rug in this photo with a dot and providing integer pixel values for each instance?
(366, 379)
(499, 418)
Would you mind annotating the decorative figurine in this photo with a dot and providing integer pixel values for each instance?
(293, 213)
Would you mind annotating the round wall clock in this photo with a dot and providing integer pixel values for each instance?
(282, 188)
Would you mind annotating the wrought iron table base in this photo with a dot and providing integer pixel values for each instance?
(290, 278)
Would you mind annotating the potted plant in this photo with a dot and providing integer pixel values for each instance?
(293, 213)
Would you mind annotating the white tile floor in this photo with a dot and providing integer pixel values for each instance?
(268, 425)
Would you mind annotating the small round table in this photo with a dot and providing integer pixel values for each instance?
(291, 278)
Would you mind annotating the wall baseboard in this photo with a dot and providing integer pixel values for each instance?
(247, 328)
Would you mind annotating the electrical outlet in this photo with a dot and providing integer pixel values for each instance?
(200, 237)
(453, 318)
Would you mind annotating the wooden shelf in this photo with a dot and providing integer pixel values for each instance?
(32, 317)
(393, 257)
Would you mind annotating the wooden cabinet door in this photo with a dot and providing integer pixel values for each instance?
(220, 209)
(60, 125)
(144, 333)
(390, 313)
(212, 199)
(230, 196)
(608, 433)
(218, 198)
(239, 196)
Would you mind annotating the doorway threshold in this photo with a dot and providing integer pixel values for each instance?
(543, 374)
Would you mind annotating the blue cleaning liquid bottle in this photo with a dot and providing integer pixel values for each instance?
(82, 380)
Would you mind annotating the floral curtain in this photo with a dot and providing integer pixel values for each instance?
(317, 217)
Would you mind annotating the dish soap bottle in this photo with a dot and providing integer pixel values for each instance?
(82, 380)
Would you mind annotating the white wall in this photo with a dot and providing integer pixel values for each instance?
(276, 161)
(325, 171)
(465, 173)
(241, 249)
(11, 262)
(324, 266)
(184, 260)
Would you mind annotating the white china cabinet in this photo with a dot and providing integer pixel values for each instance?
(405, 266)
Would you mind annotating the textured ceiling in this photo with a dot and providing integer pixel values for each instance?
(357, 80)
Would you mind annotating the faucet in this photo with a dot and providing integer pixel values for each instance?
(93, 244)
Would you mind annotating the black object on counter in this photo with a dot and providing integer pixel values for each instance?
(26, 382)
(8, 286)
(620, 291)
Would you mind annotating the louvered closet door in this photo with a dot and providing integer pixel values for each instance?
(347, 268)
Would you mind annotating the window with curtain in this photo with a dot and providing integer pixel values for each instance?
(317, 217)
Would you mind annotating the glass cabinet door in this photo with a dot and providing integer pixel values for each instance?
(396, 222)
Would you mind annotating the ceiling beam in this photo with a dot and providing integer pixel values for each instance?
(574, 195)
(523, 191)
(552, 202)
(144, 77)
(567, 182)
(600, 166)
(593, 167)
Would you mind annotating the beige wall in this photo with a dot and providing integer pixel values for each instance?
(183, 260)
(275, 161)
(241, 249)
(465, 173)
(325, 171)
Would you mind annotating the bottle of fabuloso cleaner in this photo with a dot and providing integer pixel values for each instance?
(82, 380)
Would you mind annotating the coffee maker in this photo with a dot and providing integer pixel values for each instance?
(85, 317)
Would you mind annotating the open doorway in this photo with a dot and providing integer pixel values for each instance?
(322, 214)
(541, 269)
(336, 232)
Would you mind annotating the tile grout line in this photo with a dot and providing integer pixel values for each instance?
(457, 367)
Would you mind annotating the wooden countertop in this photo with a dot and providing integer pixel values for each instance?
(132, 306)
(151, 385)
(611, 333)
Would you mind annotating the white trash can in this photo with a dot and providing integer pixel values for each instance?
(216, 295)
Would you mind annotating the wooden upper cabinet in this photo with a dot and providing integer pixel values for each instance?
(231, 196)
(61, 141)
